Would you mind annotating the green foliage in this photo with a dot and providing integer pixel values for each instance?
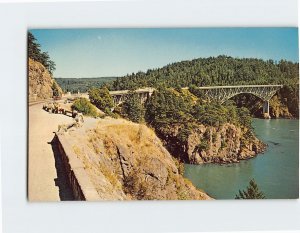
(244, 117)
(84, 106)
(223, 144)
(202, 146)
(167, 106)
(214, 137)
(101, 98)
(289, 95)
(206, 134)
(183, 134)
(252, 192)
(212, 114)
(35, 53)
(133, 109)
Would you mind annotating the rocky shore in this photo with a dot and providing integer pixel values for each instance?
(204, 144)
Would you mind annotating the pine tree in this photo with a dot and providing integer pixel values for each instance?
(252, 192)
(133, 109)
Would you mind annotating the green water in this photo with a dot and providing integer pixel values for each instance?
(276, 171)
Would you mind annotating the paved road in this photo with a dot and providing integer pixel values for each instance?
(43, 182)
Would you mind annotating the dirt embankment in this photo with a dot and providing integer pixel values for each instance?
(127, 161)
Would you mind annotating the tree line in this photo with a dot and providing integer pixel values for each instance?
(74, 85)
(221, 70)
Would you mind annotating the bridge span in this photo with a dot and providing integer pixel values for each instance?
(120, 96)
(223, 93)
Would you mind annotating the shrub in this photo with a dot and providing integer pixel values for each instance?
(101, 98)
(214, 136)
(202, 146)
(56, 90)
(183, 135)
(84, 106)
(179, 165)
(223, 144)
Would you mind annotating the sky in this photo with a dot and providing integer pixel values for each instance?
(80, 53)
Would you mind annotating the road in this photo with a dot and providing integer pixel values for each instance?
(43, 182)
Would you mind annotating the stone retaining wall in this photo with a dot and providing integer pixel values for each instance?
(80, 183)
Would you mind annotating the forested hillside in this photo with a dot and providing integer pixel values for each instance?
(224, 70)
(221, 70)
(82, 84)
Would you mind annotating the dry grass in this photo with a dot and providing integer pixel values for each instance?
(142, 147)
(94, 142)
(77, 151)
(109, 175)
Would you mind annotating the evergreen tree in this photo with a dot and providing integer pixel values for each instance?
(244, 117)
(252, 192)
(133, 109)
(34, 49)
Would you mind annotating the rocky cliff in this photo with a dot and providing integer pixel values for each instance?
(40, 81)
(204, 144)
(127, 161)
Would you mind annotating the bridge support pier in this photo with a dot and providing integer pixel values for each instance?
(266, 109)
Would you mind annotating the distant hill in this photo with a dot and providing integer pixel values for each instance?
(82, 84)
(221, 70)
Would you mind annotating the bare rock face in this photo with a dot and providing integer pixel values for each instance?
(225, 144)
(127, 161)
(40, 81)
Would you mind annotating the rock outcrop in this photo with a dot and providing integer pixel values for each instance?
(225, 144)
(40, 81)
(127, 161)
(278, 109)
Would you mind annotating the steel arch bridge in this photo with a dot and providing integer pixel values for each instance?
(223, 93)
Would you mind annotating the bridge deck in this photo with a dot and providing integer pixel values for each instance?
(141, 90)
(238, 86)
